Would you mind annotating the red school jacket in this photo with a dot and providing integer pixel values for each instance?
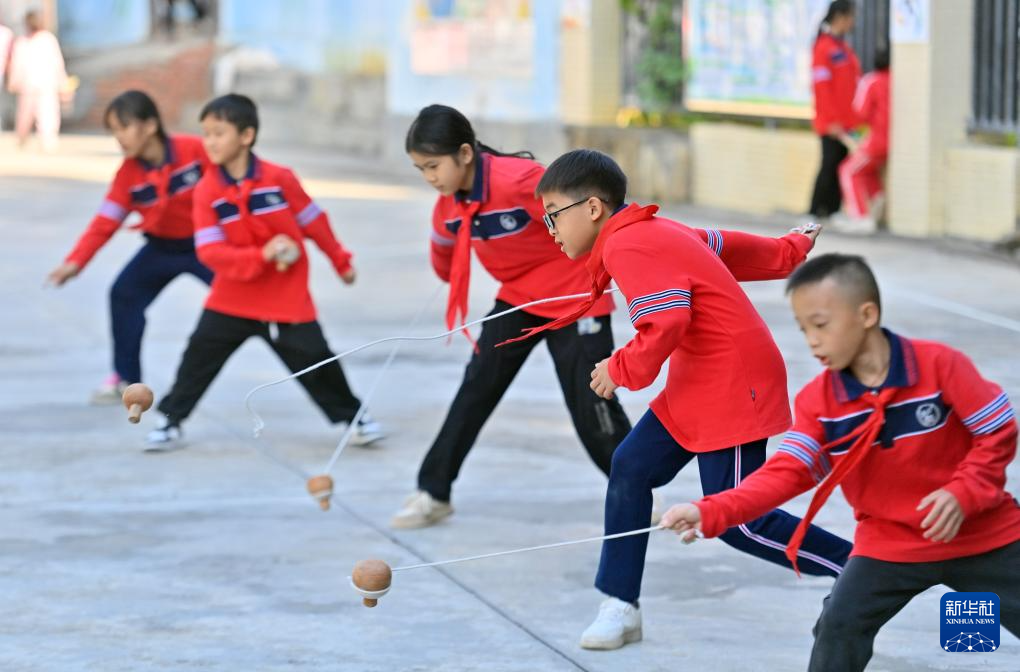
(509, 238)
(871, 104)
(945, 427)
(234, 220)
(834, 71)
(161, 194)
(727, 381)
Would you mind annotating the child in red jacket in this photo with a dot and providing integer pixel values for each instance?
(725, 392)
(834, 74)
(919, 443)
(487, 206)
(251, 219)
(860, 176)
(156, 180)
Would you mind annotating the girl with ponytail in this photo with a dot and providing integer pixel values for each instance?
(835, 71)
(156, 180)
(487, 205)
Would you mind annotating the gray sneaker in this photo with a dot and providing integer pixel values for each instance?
(110, 393)
(164, 437)
(367, 432)
(420, 510)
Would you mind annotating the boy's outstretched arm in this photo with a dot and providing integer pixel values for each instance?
(752, 257)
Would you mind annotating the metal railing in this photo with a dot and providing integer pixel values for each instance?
(871, 31)
(996, 26)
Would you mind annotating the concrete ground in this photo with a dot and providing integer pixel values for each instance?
(213, 558)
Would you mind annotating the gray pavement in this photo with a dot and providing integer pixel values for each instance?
(213, 558)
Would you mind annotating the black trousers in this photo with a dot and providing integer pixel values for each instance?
(299, 345)
(870, 592)
(600, 424)
(827, 197)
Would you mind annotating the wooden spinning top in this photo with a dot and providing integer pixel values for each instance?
(137, 399)
(371, 579)
(321, 488)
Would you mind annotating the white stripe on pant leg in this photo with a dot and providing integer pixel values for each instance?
(851, 167)
(764, 541)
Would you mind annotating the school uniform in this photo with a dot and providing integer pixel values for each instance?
(249, 296)
(860, 176)
(500, 222)
(934, 423)
(162, 195)
(835, 71)
(725, 391)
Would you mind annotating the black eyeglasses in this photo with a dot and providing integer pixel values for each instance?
(550, 217)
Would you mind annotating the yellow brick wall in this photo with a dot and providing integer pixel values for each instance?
(931, 92)
(590, 67)
(981, 192)
(754, 170)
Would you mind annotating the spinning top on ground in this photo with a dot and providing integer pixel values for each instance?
(371, 580)
(137, 399)
(321, 488)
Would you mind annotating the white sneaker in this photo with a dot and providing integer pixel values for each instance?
(855, 226)
(110, 392)
(420, 510)
(618, 623)
(876, 208)
(367, 432)
(164, 437)
(658, 507)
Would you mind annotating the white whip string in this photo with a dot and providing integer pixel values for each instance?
(531, 548)
(353, 426)
(259, 425)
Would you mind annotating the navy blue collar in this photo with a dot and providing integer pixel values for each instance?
(253, 170)
(620, 208)
(478, 188)
(168, 157)
(902, 371)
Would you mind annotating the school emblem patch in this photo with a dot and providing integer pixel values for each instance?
(273, 199)
(508, 222)
(928, 415)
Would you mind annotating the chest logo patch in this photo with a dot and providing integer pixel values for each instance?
(508, 222)
(928, 415)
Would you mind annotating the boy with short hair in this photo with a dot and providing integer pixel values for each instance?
(726, 389)
(918, 441)
(251, 218)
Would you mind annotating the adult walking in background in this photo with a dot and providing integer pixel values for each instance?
(835, 71)
(37, 76)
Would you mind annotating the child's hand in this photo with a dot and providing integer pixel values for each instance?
(684, 519)
(283, 250)
(946, 515)
(811, 230)
(274, 246)
(62, 273)
(601, 383)
(349, 276)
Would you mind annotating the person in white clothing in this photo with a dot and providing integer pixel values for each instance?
(37, 77)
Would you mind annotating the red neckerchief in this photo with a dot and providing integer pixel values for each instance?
(239, 195)
(460, 269)
(865, 437)
(632, 214)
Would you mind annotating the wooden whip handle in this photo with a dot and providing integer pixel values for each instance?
(135, 413)
(369, 602)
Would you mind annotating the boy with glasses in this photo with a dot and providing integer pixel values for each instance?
(725, 393)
